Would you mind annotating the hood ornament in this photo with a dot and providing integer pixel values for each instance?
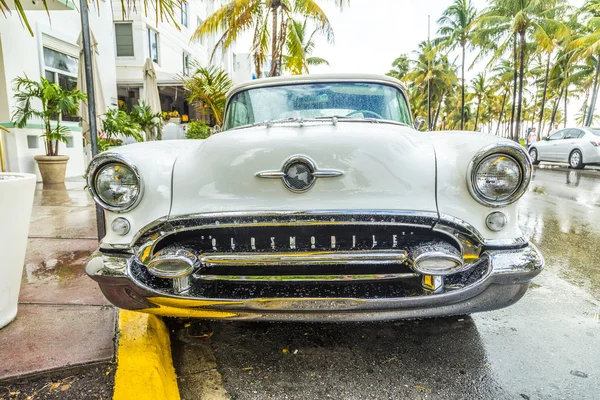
(299, 174)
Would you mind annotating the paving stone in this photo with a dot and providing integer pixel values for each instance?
(45, 338)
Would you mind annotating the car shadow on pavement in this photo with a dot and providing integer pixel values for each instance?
(403, 359)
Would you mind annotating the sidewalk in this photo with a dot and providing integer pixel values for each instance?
(63, 320)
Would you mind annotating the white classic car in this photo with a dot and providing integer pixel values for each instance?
(577, 146)
(318, 201)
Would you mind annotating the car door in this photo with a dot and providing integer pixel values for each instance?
(547, 148)
(566, 145)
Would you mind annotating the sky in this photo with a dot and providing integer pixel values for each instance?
(371, 34)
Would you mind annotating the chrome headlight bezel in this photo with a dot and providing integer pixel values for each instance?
(517, 154)
(96, 165)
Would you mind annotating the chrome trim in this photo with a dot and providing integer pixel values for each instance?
(512, 150)
(507, 276)
(464, 235)
(181, 285)
(306, 278)
(183, 257)
(373, 257)
(314, 172)
(458, 263)
(106, 158)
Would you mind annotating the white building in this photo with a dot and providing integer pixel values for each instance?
(52, 53)
(124, 43)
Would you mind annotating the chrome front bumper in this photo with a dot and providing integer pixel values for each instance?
(503, 279)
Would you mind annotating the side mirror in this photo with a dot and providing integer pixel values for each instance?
(216, 129)
(419, 122)
(546, 138)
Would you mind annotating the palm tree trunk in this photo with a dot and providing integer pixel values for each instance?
(477, 115)
(501, 112)
(555, 109)
(274, 40)
(590, 116)
(566, 100)
(585, 105)
(515, 76)
(521, 73)
(544, 95)
(437, 113)
(462, 101)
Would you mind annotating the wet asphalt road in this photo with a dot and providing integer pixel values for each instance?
(547, 346)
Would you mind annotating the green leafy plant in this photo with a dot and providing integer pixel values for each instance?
(197, 130)
(116, 122)
(105, 143)
(209, 86)
(148, 121)
(55, 101)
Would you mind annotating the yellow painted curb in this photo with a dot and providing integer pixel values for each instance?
(144, 364)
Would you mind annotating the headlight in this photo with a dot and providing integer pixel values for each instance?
(499, 174)
(114, 183)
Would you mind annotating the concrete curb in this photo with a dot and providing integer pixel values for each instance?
(144, 363)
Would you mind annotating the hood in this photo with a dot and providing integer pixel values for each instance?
(384, 166)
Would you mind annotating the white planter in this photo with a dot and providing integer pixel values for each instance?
(16, 201)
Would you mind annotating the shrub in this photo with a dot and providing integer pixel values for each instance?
(197, 130)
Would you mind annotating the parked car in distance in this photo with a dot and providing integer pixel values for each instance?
(576, 146)
(319, 201)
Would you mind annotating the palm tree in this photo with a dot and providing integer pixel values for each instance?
(457, 30)
(208, 86)
(299, 49)
(400, 67)
(267, 19)
(431, 76)
(481, 93)
(510, 23)
(587, 46)
(164, 10)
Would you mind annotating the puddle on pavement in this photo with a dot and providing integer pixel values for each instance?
(568, 236)
(64, 269)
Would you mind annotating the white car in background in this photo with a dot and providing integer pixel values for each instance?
(576, 146)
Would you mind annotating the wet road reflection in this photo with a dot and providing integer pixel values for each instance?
(545, 346)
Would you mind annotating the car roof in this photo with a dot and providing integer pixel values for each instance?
(316, 78)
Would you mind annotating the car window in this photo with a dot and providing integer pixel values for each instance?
(595, 131)
(558, 135)
(574, 134)
(317, 100)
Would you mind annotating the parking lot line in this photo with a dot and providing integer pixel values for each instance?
(144, 363)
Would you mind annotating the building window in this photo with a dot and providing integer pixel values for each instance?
(124, 39)
(184, 13)
(70, 144)
(186, 64)
(153, 45)
(62, 69)
(33, 142)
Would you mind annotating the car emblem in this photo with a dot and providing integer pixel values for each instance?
(299, 174)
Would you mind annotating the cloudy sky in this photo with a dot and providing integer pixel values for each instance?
(370, 34)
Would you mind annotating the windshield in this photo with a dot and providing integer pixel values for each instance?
(320, 100)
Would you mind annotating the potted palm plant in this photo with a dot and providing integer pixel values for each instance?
(55, 101)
